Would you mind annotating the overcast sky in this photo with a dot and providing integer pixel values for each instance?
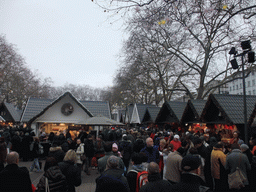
(70, 41)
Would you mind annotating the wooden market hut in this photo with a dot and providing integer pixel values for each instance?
(66, 112)
(150, 116)
(227, 111)
(192, 113)
(10, 115)
(138, 113)
(170, 114)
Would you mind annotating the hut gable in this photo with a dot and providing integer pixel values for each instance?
(9, 113)
(138, 113)
(151, 114)
(228, 109)
(36, 107)
(171, 112)
(193, 111)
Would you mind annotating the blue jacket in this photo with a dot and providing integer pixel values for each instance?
(152, 154)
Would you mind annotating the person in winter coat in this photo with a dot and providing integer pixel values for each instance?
(14, 178)
(34, 155)
(173, 166)
(155, 183)
(245, 150)
(112, 179)
(89, 153)
(102, 162)
(79, 153)
(151, 151)
(72, 172)
(252, 176)
(26, 141)
(3, 153)
(56, 180)
(132, 173)
(190, 179)
(126, 150)
(56, 152)
(218, 162)
(237, 159)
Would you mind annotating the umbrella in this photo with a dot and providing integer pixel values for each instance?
(100, 121)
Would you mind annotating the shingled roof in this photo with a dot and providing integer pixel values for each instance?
(13, 113)
(228, 109)
(171, 112)
(151, 114)
(139, 111)
(193, 111)
(37, 106)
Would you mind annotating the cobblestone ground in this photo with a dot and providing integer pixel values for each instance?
(88, 181)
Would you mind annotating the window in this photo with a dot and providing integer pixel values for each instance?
(230, 88)
(253, 92)
(240, 85)
(249, 84)
(252, 72)
(233, 87)
(236, 87)
(253, 82)
(249, 92)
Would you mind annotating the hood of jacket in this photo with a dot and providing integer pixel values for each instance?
(116, 173)
(54, 173)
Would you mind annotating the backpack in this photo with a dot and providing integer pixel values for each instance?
(31, 146)
(142, 179)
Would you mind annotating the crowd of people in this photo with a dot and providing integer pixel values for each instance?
(129, 160)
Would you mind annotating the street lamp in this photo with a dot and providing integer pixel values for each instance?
(246, 46)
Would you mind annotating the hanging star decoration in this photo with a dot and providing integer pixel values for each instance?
(162, 22)
(225, 7)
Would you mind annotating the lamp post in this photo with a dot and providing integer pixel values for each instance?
(246, 46)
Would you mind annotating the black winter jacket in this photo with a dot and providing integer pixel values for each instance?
(112, 180)
(72, 173)
(56, 180)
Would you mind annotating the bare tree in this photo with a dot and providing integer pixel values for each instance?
(17, 82)
(198, 33)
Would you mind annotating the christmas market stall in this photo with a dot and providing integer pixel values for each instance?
(9, 115)
(191, 116)
(138, 113)
(63, 114)
(170, 115)
(150, 116)
(225, 114)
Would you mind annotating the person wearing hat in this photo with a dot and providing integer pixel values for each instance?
(102, 162)
(112, 179)
(245, 150)
(126, 148)
(190, 179)
(176, 142)
(218, 162)
(237, 159)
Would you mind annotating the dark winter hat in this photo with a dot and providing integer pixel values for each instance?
(112, 162)
(190, 162)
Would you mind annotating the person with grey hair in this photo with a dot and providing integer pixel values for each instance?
(112, 179)
(155, 183)
(14, 178)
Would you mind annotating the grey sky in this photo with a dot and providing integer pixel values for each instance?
(68, 40)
